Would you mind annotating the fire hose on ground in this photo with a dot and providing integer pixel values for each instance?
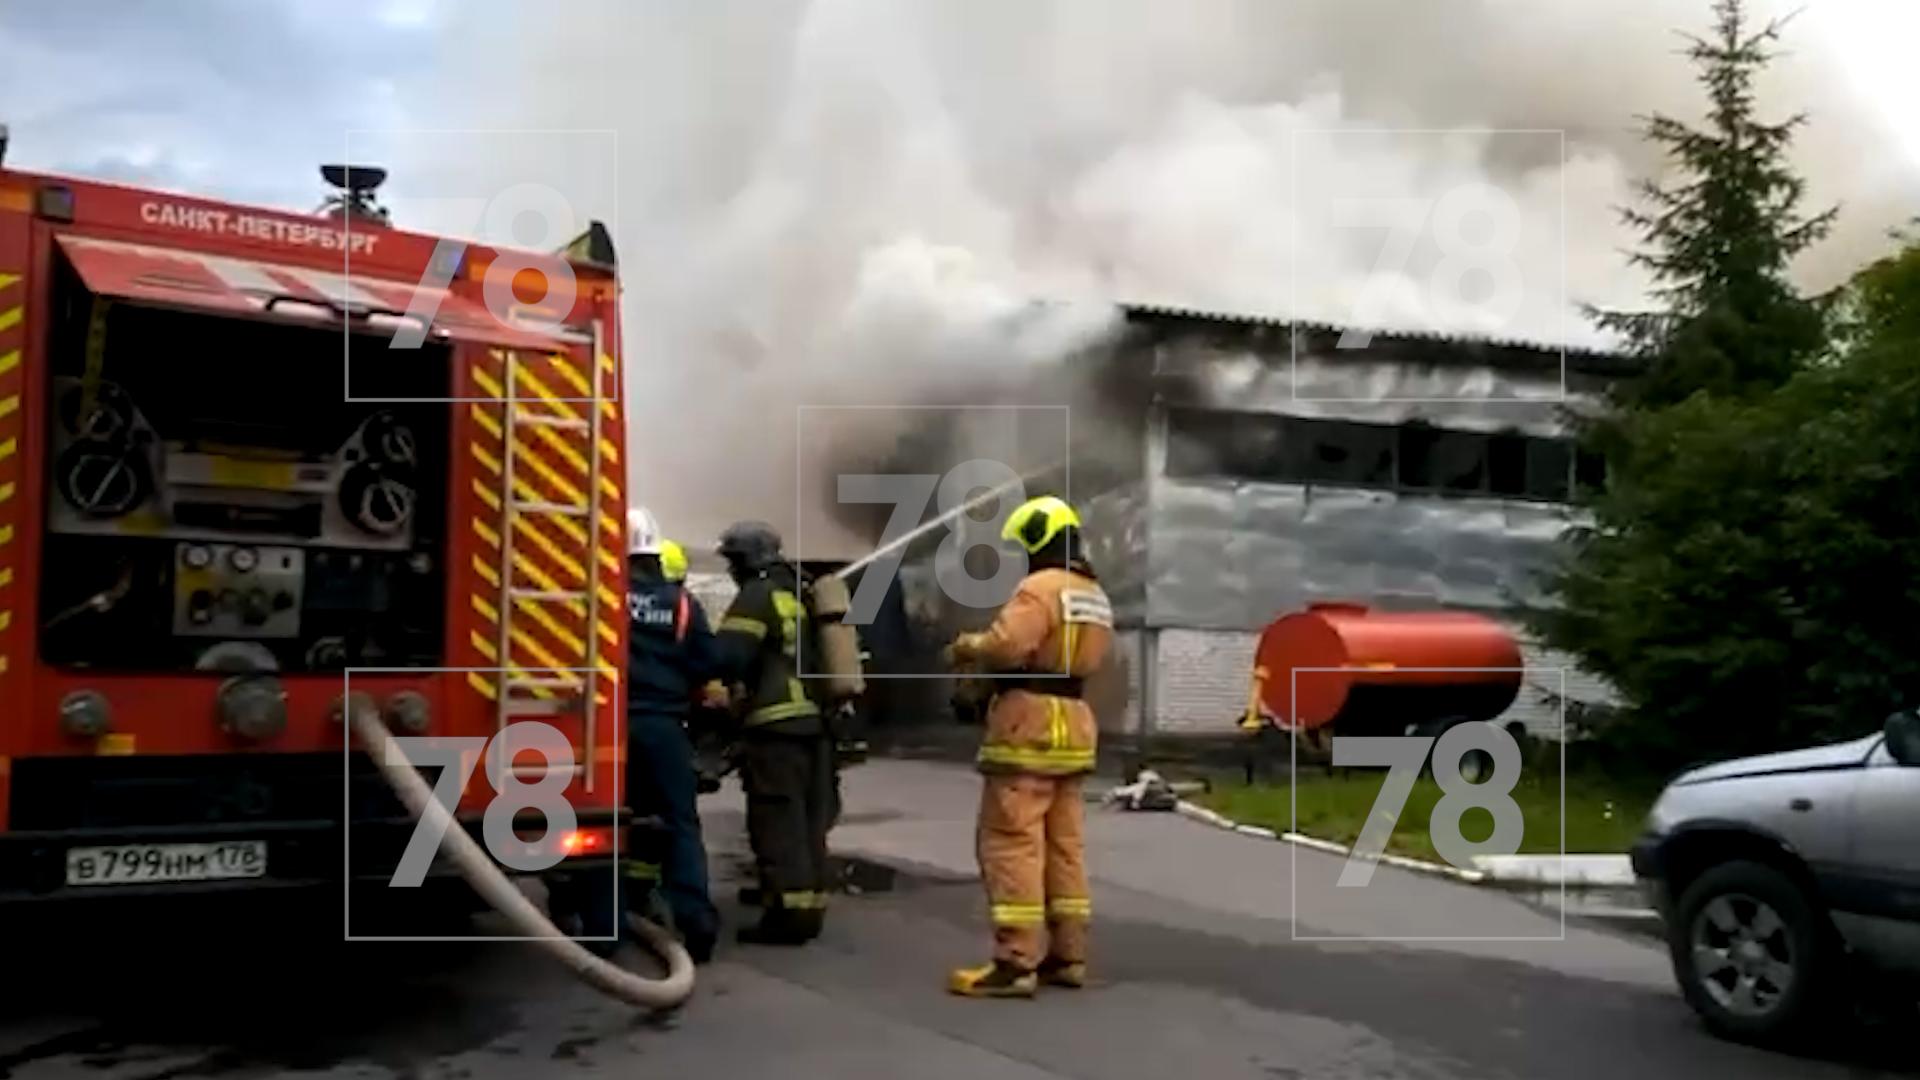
(500, 892)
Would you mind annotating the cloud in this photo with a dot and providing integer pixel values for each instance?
(854, 200)
(223, 97)
(1085, 149)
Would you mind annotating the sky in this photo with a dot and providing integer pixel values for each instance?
(858, 202)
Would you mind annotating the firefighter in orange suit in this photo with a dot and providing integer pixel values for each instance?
(1038, 747)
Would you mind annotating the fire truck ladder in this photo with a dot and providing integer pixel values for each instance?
(553, 692)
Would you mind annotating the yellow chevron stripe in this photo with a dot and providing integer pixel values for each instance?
(9, 405)
(608, 488)
(485, 420)
(607, 410)
(489, 385)
(6, 576)
(608, 634)
(545, 394)
(608, 597)
(574, 530)
(10, 318)
(539, 652)
(606, 363)
(483, 646)
(492, 463)
(8, 279)
(524, 456)
(563, 364)
(9, 360)
(540, 539)
(608, 523)
(487, 689)
(545, 581)
(6, 619)
(565, 449)
(6, 535)
(487, 573)
(486, 495)
(609, 560)
(8, 448)
(6, 491)
(609, 453)
(575, 647)
(487, 610)
(519, 672)
(611, 673)
(485, 532)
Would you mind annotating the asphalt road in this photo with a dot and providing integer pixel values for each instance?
(1203, 971)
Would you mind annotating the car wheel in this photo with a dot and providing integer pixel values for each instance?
(1751, 952)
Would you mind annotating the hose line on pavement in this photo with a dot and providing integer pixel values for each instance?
(499, 891)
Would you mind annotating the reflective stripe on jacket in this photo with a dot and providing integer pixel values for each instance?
(1058, 623)
(761, 639)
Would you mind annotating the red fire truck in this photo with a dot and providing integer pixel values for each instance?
(259, 468)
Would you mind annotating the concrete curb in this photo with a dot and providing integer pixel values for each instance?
(1593, 873)
(1196, 812)
(1555, 871)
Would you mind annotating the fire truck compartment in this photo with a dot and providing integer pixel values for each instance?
(293, 804)
(220, 502)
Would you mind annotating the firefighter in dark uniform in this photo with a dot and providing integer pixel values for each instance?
(786, 750)
(670, 654)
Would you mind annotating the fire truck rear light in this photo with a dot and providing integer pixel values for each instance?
(54, 202)
(85, 714)
(585, 841)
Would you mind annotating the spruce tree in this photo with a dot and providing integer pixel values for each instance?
(1719, 237)
(1693, 589)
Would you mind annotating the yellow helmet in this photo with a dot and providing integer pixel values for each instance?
(673, 560)
(1035, 523)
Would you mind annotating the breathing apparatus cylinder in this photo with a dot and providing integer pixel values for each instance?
(838, 641)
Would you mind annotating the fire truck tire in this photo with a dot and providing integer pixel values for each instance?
(502, 895)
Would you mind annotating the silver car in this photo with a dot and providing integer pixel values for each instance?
(1788, 880)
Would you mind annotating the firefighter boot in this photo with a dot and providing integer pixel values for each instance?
(996, 980)
(779, 926)
(1057, 972)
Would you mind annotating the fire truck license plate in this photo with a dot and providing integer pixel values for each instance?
(142, 864)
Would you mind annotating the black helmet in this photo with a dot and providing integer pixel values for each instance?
(751, 545)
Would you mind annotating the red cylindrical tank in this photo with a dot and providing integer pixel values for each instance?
(1392, 671)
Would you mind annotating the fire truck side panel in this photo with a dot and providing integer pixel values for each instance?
(524, 521)
(16, 485)
(554, 526)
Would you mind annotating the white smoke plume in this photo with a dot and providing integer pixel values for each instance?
(863, 202)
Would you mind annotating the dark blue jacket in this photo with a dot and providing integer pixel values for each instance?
(670, 652)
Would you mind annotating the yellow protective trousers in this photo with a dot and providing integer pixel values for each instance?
(1032, 859)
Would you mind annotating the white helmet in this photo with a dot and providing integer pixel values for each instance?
(643, 532)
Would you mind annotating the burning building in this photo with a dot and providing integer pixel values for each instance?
(1233, 469)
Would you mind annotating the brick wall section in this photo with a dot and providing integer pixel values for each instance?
(1203, 680)
(1126, 655)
